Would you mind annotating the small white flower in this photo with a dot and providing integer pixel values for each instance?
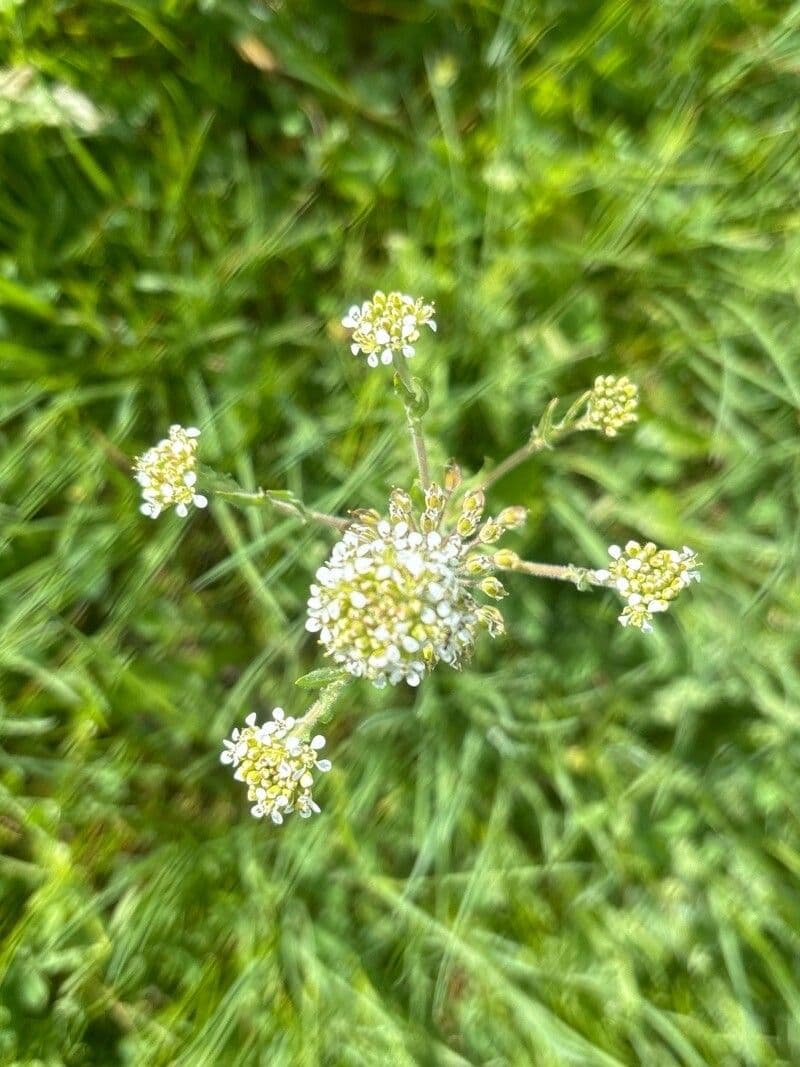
(648, 579)
(276, 766)
(398, 596)
(353, 318)
(167, 474)
(387, 324)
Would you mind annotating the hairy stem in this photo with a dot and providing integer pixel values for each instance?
(580, 576)
(545, 435)
(419, 449)
(536, 444)
(414, 421)
(512, 461)
(284, 507)
(323, 705)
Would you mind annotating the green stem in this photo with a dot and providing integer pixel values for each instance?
(580, 576)
(321, 708)
(414, 421)
(285, 507)
(544, 435)
(536, 444)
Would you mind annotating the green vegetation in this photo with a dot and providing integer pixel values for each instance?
(585, 849)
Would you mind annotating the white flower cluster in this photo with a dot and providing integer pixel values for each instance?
(613, 404)
(387, 324)
(167, 473)
(276, 766)
(396, 596)
(648, 579)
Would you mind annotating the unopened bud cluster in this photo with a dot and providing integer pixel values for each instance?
(398, 594)
(387, 324)
(167, 473)
(612, 404)
(648, 579)
(276, 765)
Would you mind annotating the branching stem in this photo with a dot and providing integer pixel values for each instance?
(512, 461)
(285, 507)
(536, 444)
(544, 435)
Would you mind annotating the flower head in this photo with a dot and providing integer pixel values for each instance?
(167, 473)
(612, 404)
(648, 579)
(276, 765)
(398, 595)
(387, 324)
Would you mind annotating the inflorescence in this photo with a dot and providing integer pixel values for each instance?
(276, 765)
(397, 595)
(387, 324)
(401, 593)
(612, 404)
(167, 473)
(648, 579)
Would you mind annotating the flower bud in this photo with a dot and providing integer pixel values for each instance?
(400, 505)
(434, 497)
(512, 518)
(468, 523)
(506, 559)
(493, 587)
(452, 476)
(476, 565)
(475, 500)
(491, 618)
(490, 532)
(612, 404)
(366, 516)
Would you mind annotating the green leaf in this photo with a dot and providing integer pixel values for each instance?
(575, 409)
(321, 677)
(544, 431)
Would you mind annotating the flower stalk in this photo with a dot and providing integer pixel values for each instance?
(415, 402)
(534, 445)
(322, 708)
(647, 578)
(543, 436)
(607, 408)
(283, 502)
(582, 577)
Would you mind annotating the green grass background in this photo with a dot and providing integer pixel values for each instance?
(585, 849)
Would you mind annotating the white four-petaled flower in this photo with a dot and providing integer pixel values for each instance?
(167, 473)
(387, 324)
(648, 579)
(398, 595)
(276, 765)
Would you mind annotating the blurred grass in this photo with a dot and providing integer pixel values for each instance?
(583, 851)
